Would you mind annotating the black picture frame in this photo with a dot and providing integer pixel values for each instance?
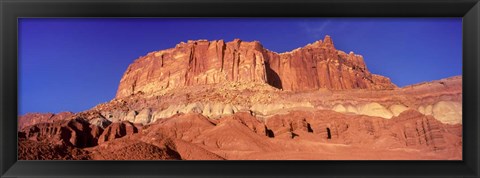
(10, 10)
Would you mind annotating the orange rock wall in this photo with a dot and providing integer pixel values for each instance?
(317, 65)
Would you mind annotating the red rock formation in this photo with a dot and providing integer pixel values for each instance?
(234, 135)
(242, 136)
(33, 150)
(76, 132)
(420, 130)
(193, 63)
(118, 130)
(251, 119)
(317, 65)
(36, 118)
(320, 65)
(185, 127)
(247, 120)
(130, 149)
(410, 129)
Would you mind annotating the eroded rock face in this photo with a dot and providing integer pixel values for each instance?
(194, 63)
(35, 118)
(240, 132)
(134, 150)
(118, 130)
(236, 100)
(33, 150)
(186, 127)
(396, 109)
(420, 130)
(211, 110)
(444, 111)
(320, 65)
(243, 136)
(317, 65)
(410, 129)
(101, 122)
(369, 109)
(76, 132)
(278, 108)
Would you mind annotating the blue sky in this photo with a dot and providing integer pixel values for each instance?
(73, 64)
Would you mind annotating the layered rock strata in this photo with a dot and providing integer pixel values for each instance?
(317, 65)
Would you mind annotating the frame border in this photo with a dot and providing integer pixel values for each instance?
(10, 10)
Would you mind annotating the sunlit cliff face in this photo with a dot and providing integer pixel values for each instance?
(215, 100)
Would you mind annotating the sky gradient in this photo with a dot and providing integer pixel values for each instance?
(68, 64)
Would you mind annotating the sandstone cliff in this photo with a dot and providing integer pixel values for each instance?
(216, 100)
(317, 65)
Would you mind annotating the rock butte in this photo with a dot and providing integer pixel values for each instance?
(317, 65)
(216, 100)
